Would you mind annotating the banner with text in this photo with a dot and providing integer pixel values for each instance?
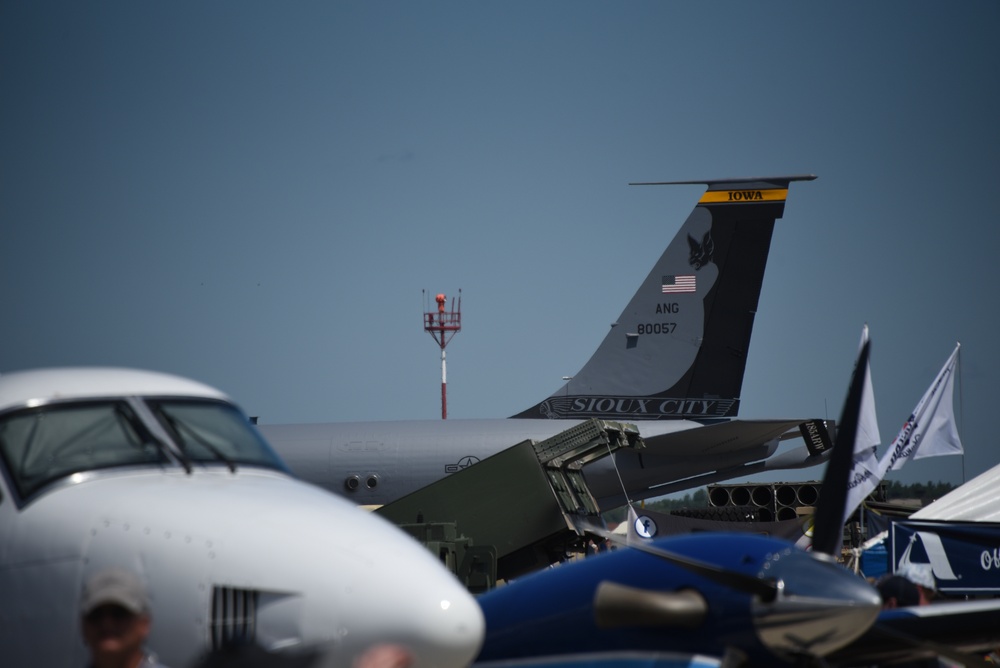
(964, 556)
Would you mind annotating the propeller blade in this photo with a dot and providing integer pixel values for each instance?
(828, 526)
(767, 590)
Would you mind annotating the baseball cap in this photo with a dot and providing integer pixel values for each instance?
(899, 588)
(919, 574)
(114, 587)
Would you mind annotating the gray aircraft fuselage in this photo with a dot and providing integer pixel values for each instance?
(374, 463)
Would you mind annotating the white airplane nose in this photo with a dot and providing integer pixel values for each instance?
(447, 632)
(437, 619)
(378, 598)
(458, 633)
(426, 619)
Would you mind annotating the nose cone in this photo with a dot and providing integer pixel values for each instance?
(453, 632)
(820, 607)
(332, 578)
(409, 613)
(446, 634)
(442, 627)
(421, 609)
(380, 598)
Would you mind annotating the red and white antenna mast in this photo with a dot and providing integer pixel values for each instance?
(442, 325)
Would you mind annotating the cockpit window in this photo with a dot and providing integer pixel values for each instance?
(42, 444)
(211, 431)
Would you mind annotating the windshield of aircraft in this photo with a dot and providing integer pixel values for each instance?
(212, 431)
(44, 444)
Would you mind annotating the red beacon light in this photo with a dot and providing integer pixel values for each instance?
(442, 325)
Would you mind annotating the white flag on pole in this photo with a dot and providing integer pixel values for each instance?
(641, 528)
(864, 471)
(863, 477)
(868, 436)
(930, 430)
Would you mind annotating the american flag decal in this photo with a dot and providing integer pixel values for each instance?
(672, 284)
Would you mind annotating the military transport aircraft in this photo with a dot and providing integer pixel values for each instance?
(167, 478)
(732, 599)
(673, 363)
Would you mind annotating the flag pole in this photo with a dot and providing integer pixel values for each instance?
(961, 404)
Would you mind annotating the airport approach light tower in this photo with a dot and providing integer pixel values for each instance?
(442, 325)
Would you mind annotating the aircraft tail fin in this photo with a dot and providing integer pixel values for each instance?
(679, 348)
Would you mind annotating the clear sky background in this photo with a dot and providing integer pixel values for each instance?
(254, 194)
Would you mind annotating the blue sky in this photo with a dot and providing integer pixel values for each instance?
(255, 194)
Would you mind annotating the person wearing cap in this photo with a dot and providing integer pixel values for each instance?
(898, 592)
(923, 577)
(911, 585)
(115, 619)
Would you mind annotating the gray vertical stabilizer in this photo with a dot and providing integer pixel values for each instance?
(679, 348)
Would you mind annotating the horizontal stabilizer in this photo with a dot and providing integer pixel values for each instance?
(677, 460)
